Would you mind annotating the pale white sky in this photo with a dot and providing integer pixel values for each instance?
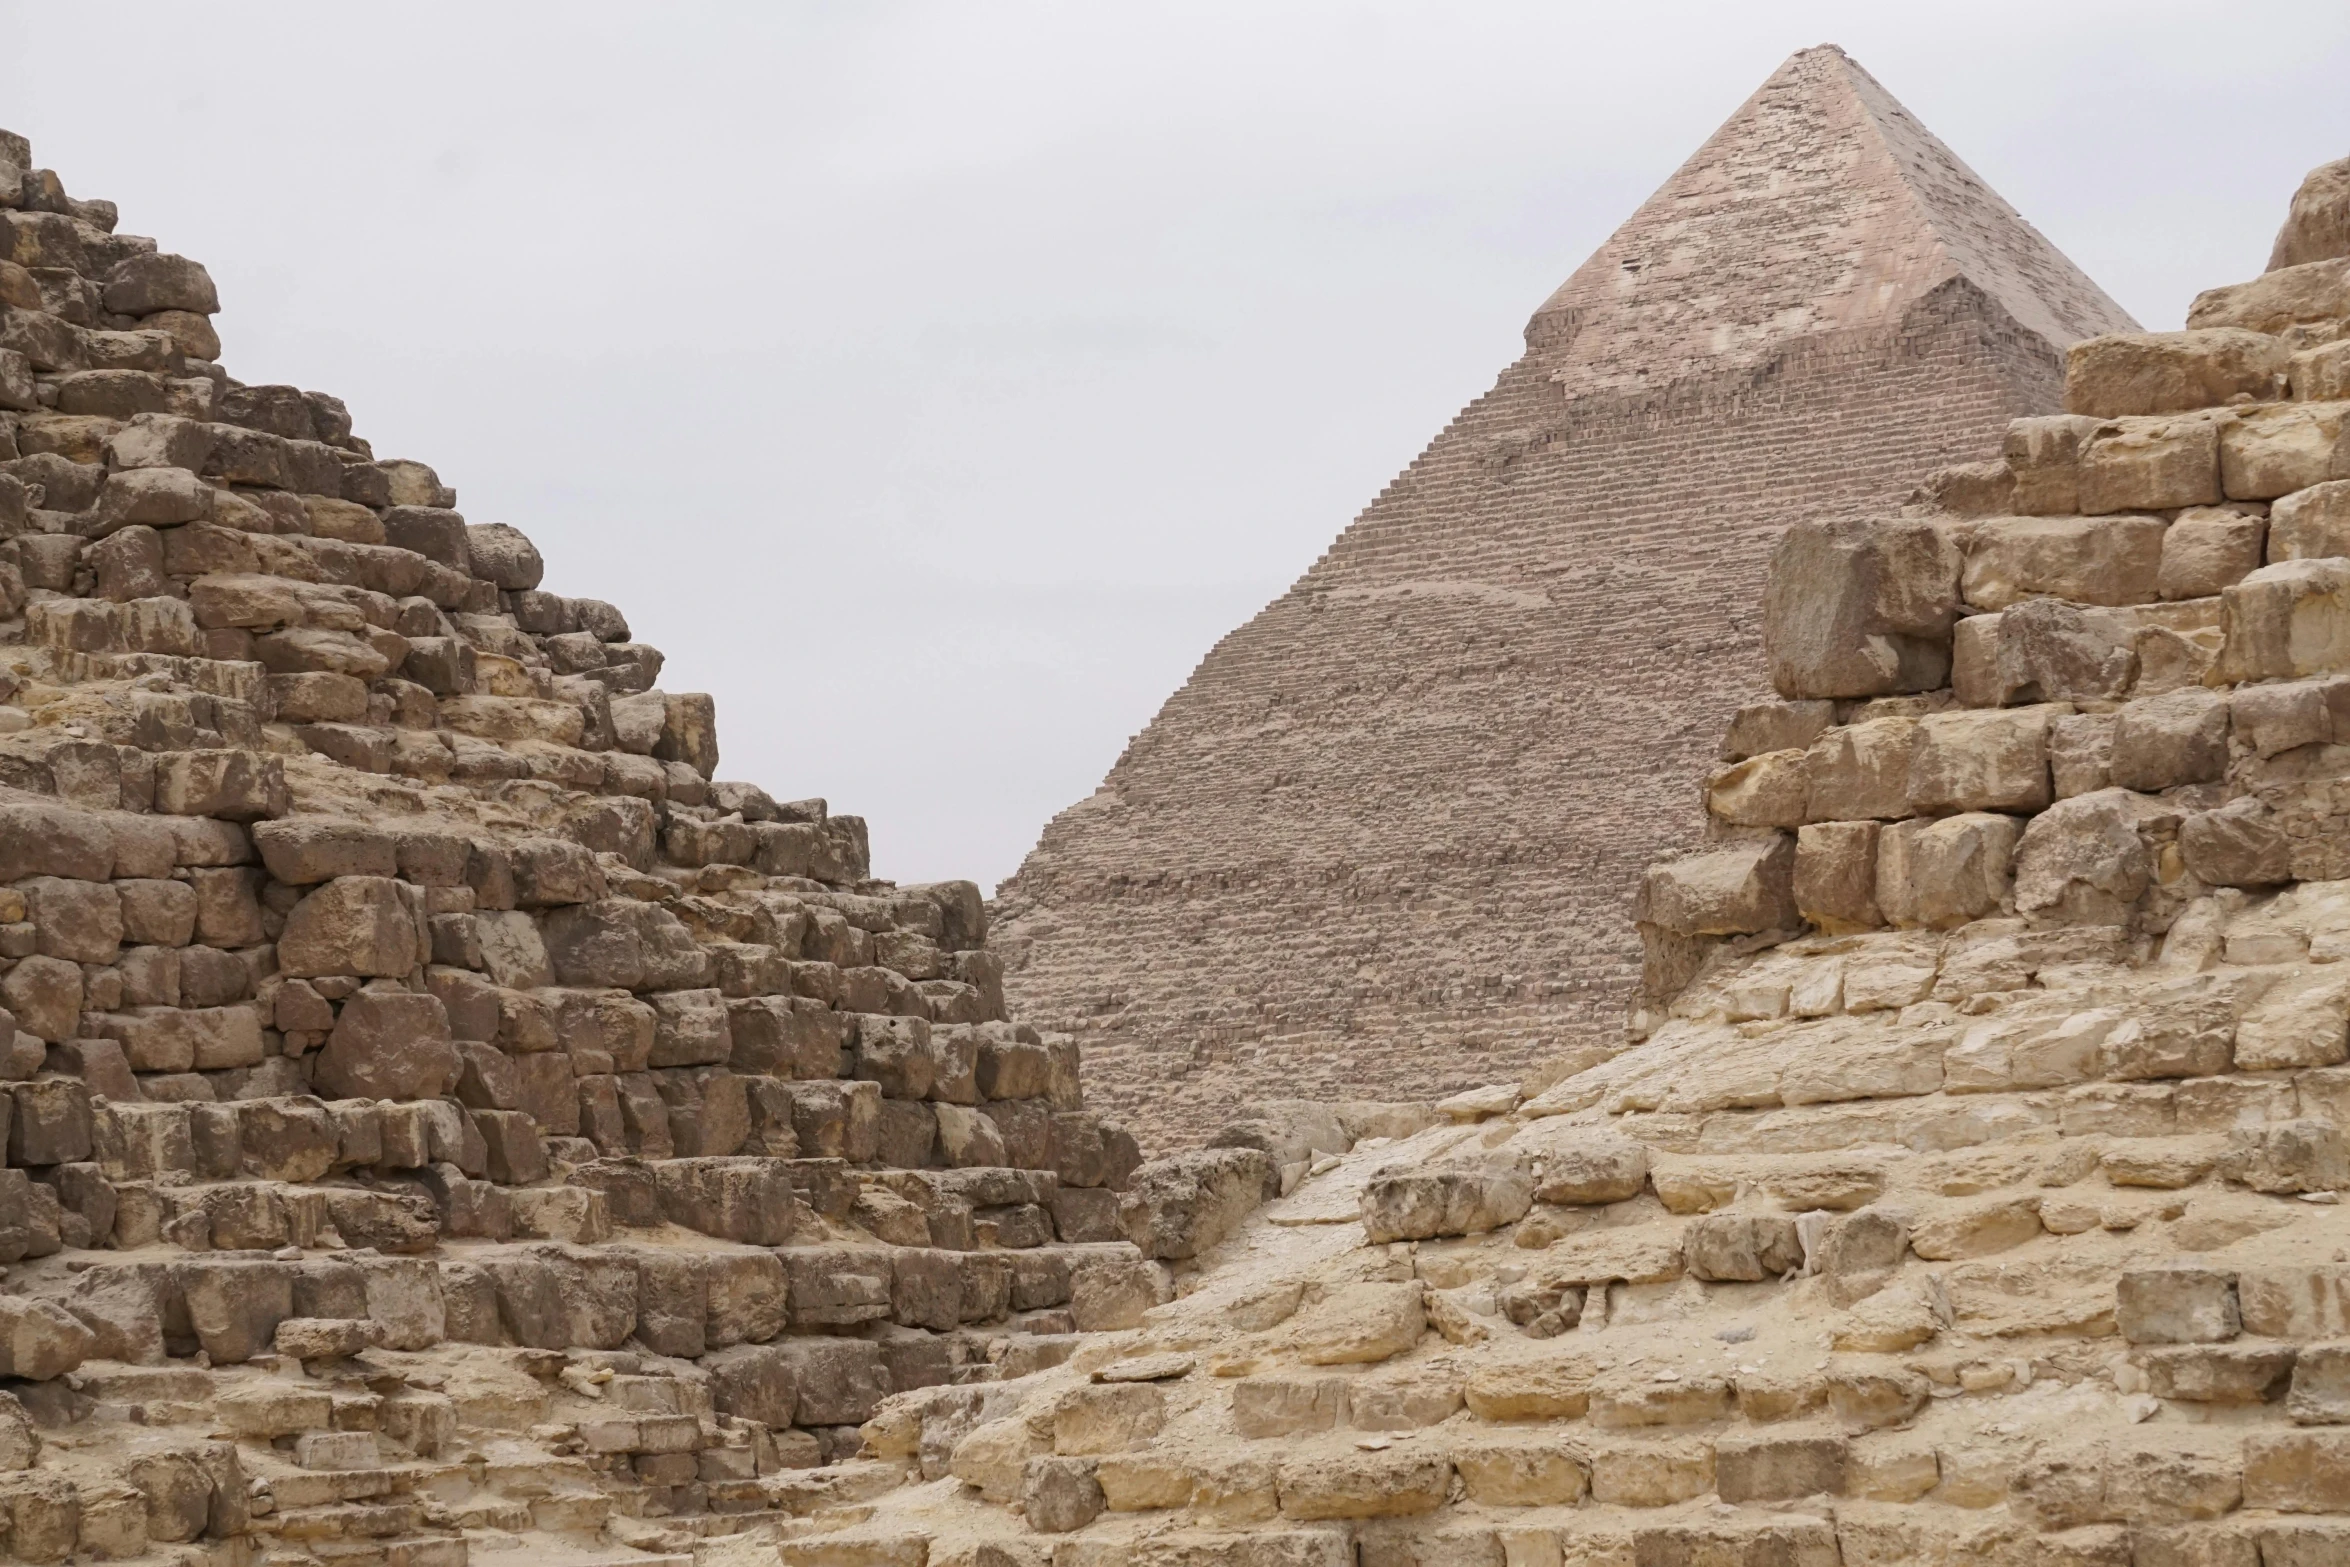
(935, 382)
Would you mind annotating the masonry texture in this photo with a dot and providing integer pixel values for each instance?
(435, 1107)
(1388, 832)
(1970, 1193)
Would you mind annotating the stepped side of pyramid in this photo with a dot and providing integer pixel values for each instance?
(438, 1112)
(1382, 842)
(1974, 1197)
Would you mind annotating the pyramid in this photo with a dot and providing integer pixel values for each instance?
(1387, 834)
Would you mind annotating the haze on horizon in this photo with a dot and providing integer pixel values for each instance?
(936, 382)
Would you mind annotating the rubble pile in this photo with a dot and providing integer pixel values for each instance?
(438, 1110)
(1971, 1188)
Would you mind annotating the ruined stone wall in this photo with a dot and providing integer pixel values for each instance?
(1384, 839)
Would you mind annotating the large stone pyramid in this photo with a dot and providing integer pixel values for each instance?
(1974, 1196)
(1388, 832)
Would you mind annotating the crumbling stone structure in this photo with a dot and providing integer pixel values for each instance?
(1973, 1194)
(1383, 841)
(436, 1108)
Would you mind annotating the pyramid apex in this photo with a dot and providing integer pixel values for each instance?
(1821, 204)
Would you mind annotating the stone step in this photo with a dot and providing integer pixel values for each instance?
(346, 1521)
(419, 1550)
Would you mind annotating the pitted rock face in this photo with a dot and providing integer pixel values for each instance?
(1392, 825)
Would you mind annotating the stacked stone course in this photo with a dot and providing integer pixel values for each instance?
(1382, 843)
(436, 1107)
(1973, 1193)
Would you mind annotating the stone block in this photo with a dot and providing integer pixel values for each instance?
(2311, 524)
(2207, 550)
(1859, 771)
(2307, 1155)
(1943, 873)
(1423, 1203)
(2082, 861)
(742, 1198)
(389, 1044)
(2137, 373)
(1780, 1469)
(2165, 741)
(2277, 449)
(2177, 1305)
(1397, 1484)
(2083, 560)
(1982, 761)
(1183, 1205)
(1740, 890)
(2297, 1471)
(2219, 1373)
(2286, 620)
(1859, 608)
(2152, 464)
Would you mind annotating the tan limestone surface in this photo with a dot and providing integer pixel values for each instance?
(1972, 1192)
(1382, 842)
(438, 1113)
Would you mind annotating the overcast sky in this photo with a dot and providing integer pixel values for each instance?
(936, 382)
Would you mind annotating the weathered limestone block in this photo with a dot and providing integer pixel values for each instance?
(1780, 1468)
(1860, 771)
(1424, 1202)
(1733, 891)
(2306, 1155)
(2285, 621)
(2302, 1021)
(2044, 454)
(1059, 1495)
(2152, 464)
(39, 1340)
(2082, 861)
(1273, 1406)
(1397, 1484)
(2085, 560)
(1650, 1474)
(744, 1198)
(1835, 880)
(2311, 524)
(361, 925)
(2282, 447)
(2046, 650)
(389, 1044)
(1939, 874)
(1581, 1164)
(2208, 548)
(2297, 1471)
(1770, 790)
(1860, 608)
(2219, 1373)
(2238, 845)
(2317, 225)
(2177, 1305)
(2172, 372)
(1741, 1246)
(1183, 1205)
(1359, 1324)
(1775, 726)
(2285, 296)
(2320, 1391)
(1982, 761)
